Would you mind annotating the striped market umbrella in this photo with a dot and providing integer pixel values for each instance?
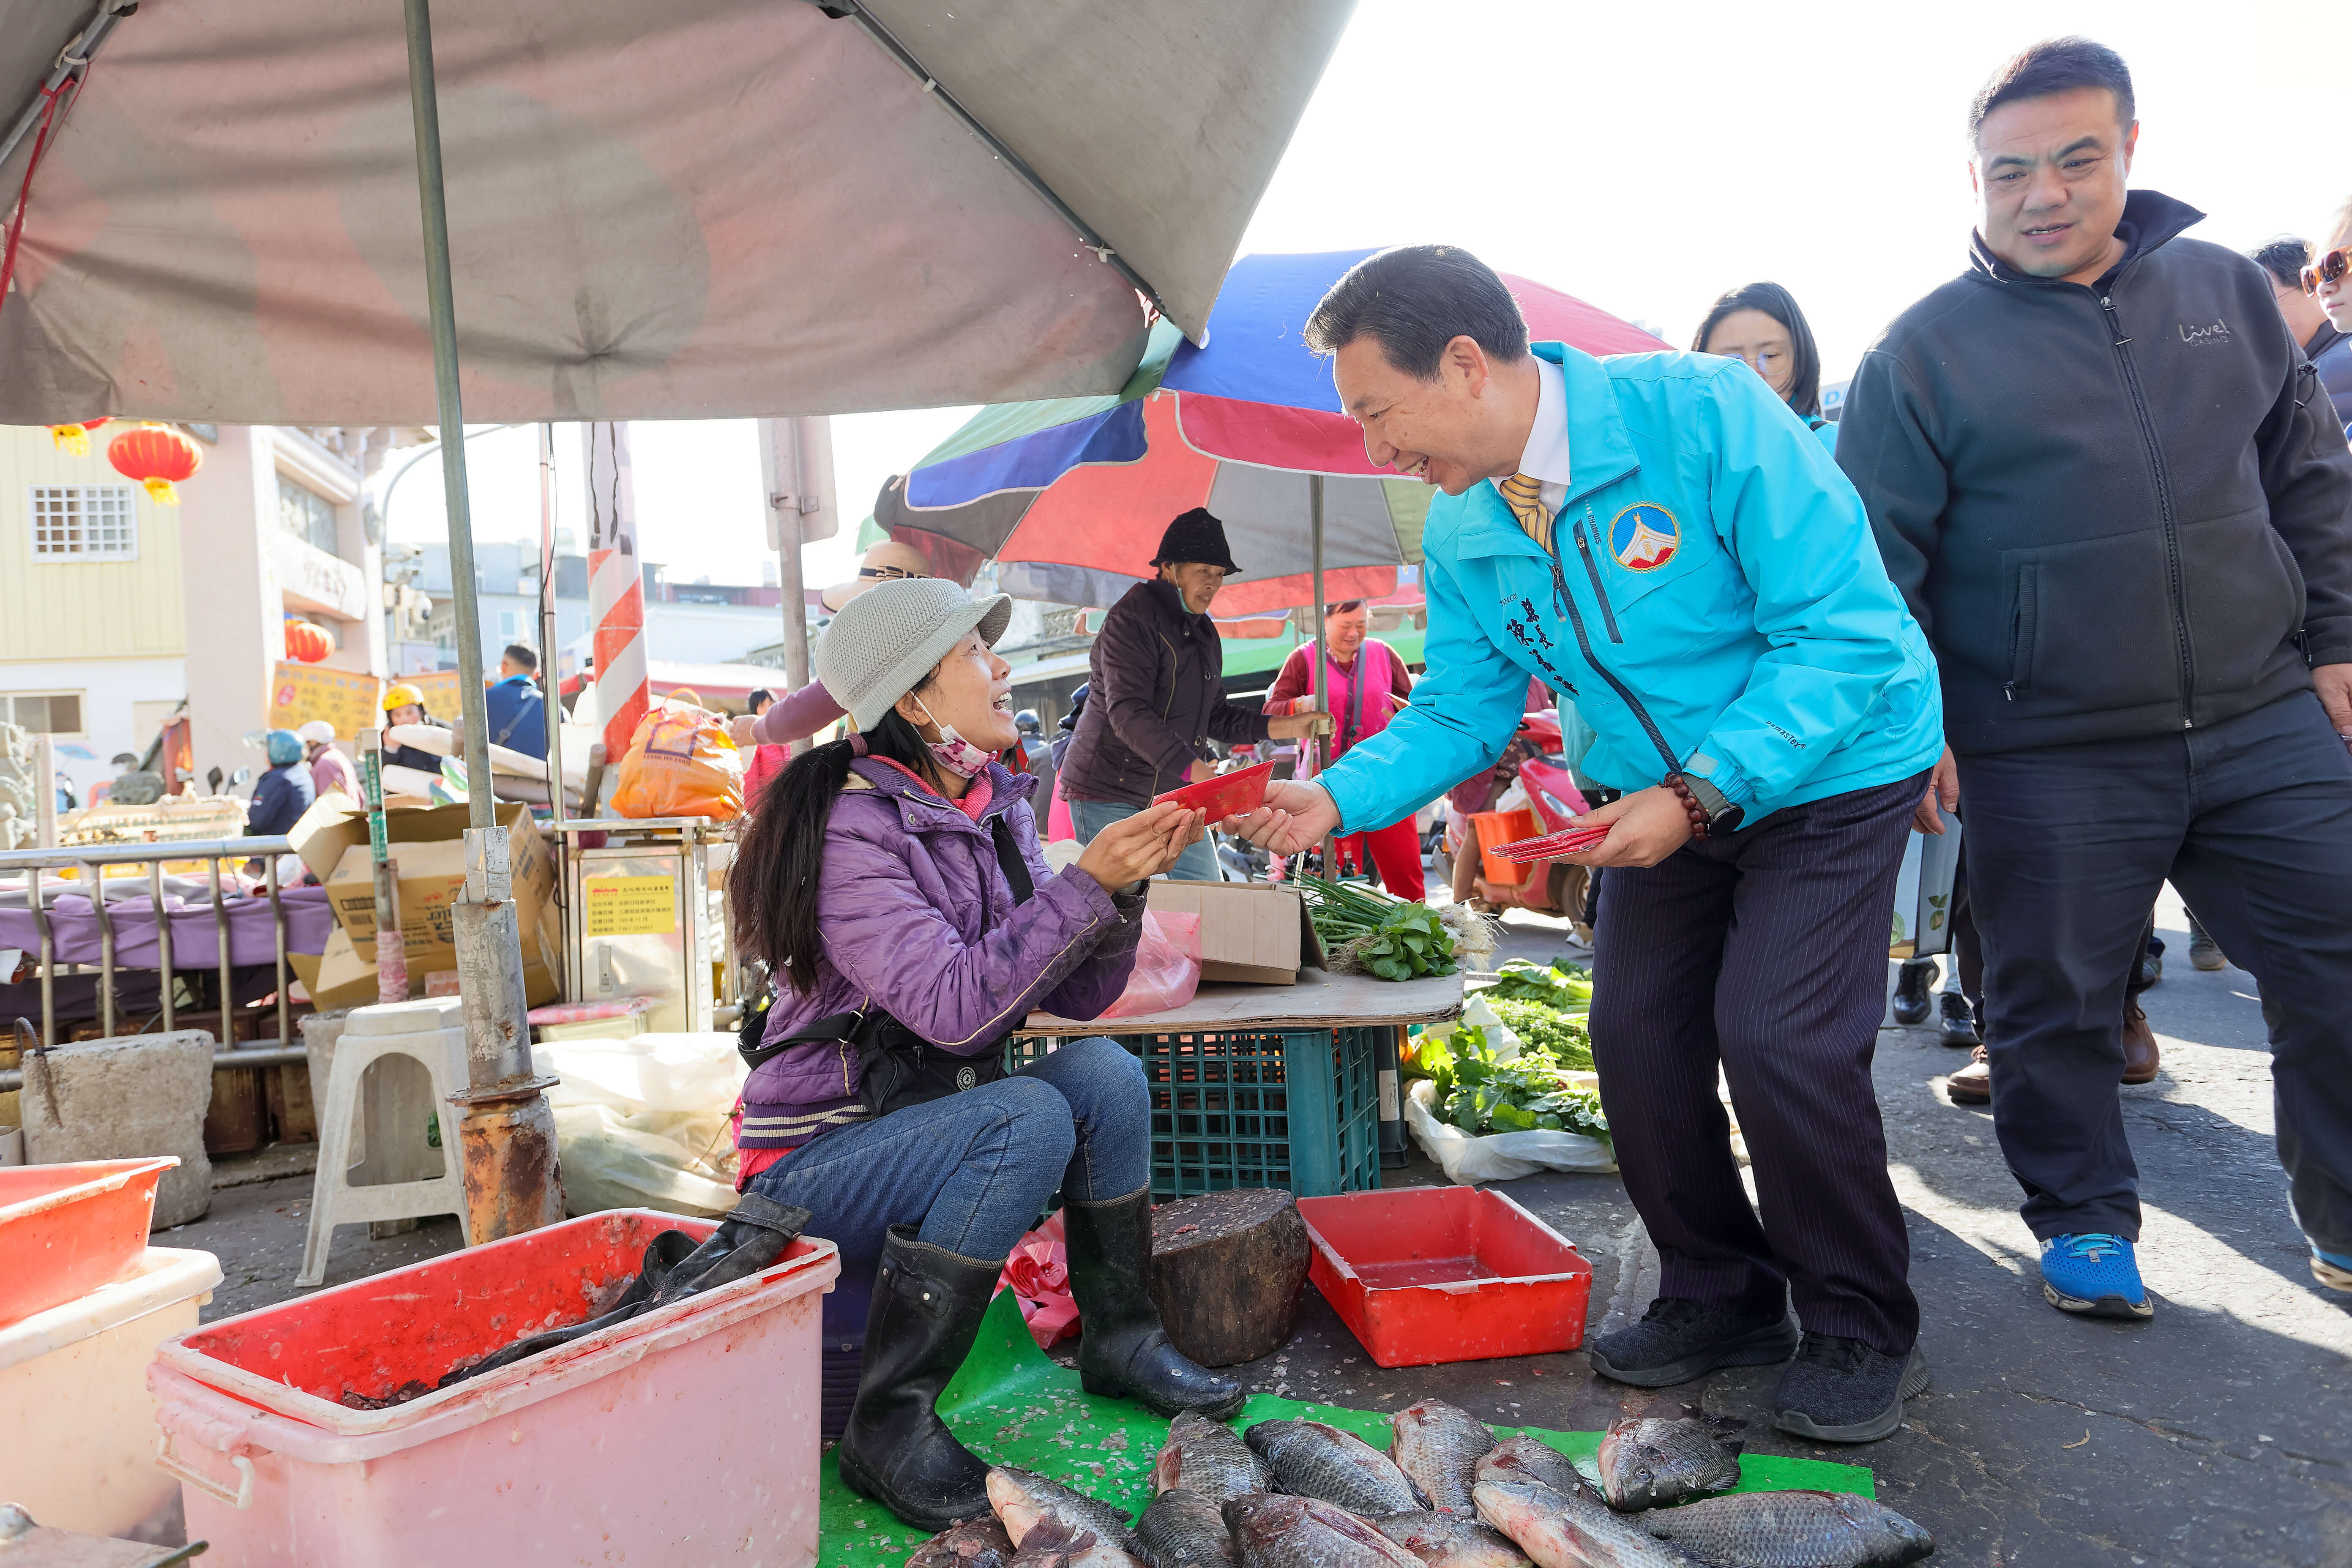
(1069, 495)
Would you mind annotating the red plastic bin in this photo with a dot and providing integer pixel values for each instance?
(1442, 1274)
(65, 1230)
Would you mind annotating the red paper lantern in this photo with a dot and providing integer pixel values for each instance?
(158, 457)
(74, 439)
(306, 644)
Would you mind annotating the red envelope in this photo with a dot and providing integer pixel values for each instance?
(1227, 794)
(1569, 842)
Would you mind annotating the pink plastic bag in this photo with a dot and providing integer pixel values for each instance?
(1166, 967)
(1038, 1275)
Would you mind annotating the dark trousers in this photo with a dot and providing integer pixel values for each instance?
(1765, 952)
(2067, 845)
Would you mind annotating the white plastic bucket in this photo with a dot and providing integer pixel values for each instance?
(77, 1429)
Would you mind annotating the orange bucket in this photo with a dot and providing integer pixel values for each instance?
(1494, 828)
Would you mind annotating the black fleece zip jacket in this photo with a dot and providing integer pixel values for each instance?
(2117, 510)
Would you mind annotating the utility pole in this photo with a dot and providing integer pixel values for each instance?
(507, 1133)
(797, 464)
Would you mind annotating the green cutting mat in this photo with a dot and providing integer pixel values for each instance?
(1011, 1405)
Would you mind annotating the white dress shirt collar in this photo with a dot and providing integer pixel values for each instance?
(1546, 457)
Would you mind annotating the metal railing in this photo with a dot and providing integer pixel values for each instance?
(91, 860)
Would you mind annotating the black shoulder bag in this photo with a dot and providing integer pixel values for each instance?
(896, 1067)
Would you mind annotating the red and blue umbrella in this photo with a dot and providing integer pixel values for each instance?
(1069, 495)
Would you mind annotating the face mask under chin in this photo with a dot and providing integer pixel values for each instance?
(952, 751)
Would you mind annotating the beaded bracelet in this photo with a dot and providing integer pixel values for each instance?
(1691, 806)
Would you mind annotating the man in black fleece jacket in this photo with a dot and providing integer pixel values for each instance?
(2108, 482)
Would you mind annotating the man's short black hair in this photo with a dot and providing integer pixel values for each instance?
(2055, 66)
(517, 654)
(1415, 299)
(2283, 258)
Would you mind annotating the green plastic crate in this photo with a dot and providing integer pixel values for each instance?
(1255, 1109)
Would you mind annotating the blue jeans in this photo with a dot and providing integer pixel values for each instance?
(972, 1171)
(1198, 864)
(2066, 847)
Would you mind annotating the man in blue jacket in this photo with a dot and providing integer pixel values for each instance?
(518, 714)
(1659, 537)
(2110, 485)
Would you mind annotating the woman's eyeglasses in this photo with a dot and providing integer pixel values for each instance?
(2328, 268)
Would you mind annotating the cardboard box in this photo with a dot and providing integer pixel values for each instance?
(428, 847)
(341, 977)
(1249, 931)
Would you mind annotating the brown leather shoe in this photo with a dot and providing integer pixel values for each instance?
(2140, 1056)
(1972, 1085)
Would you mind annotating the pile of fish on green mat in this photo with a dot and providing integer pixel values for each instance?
(1302, 1494)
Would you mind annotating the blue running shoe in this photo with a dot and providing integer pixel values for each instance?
(2095, 1274)
(2332, 1269)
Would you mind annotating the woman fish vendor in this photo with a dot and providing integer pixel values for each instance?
(894, 883)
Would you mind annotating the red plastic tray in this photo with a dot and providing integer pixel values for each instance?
(1227, 794)
(65, 1230)
(1443, 1273)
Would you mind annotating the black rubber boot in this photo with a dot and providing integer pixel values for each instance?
(1960, 1023)
(928, 1303)
(1123, 1349)
(1912, 984)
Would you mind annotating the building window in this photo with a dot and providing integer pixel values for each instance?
(306, 514)
(84, 522)
(43, 712)
(506, 625)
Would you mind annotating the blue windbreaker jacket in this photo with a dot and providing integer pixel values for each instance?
(1712, 558)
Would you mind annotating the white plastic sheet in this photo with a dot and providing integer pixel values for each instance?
(1499, 1156)
(642, 1123)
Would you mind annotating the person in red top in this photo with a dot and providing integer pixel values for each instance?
(1367, 683)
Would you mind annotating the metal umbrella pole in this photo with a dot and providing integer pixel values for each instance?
(507, 1133)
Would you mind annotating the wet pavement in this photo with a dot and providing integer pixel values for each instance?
(2219, 1433)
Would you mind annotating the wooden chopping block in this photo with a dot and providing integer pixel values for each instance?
(1226, 1271)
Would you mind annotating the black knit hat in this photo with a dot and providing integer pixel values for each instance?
(1197, 535)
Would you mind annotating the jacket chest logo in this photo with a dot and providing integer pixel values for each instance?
(1645, 537)
(2215, 332)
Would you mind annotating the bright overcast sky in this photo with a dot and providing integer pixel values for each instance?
(1646, 158)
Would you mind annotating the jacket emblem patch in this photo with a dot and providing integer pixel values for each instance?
(1645, 537)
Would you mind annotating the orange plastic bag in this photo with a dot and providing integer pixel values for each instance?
(681, 762)
(1166, 967)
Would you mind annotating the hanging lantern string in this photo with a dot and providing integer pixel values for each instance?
(62, 98)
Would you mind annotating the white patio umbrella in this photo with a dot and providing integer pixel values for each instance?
(239, 211)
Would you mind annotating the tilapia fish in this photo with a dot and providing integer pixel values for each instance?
(1563, 1530)
(1312, 1460)
(1533, 1459)
(1438, 1447)
(1185, 1529)
(1646, 1462)
(1203, 1456)
(1022, 1498)
(1792, 1530)
(1451, 1539)
(1273, 1532)
(1053, 1542)
(975, 1544)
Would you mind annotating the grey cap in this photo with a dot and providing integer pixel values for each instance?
(887, 638)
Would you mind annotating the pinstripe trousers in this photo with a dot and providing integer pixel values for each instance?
(1764, 952)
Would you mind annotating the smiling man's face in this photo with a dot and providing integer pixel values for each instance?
(1459, 428)
(2050, 175)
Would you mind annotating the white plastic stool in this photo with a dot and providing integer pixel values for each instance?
(431, 1031)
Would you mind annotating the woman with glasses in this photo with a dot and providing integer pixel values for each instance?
(802, 713)
(2328, 279)
(1760, 323)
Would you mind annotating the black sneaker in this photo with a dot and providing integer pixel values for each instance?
(1677, 1339)
(1913, 984)
(1842, 1391)
(1960, 1023)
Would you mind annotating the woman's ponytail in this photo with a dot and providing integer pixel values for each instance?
(773, 886)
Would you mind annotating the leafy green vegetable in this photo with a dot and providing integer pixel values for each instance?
(1480, 1095)
(1569, 990)
(1381, 936)
(1546, 1031)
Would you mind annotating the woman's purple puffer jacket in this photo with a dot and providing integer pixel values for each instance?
(906, 878)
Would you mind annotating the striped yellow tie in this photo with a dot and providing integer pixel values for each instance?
(1524, 494)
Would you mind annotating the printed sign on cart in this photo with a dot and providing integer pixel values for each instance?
(343, 698)
(629, 905)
